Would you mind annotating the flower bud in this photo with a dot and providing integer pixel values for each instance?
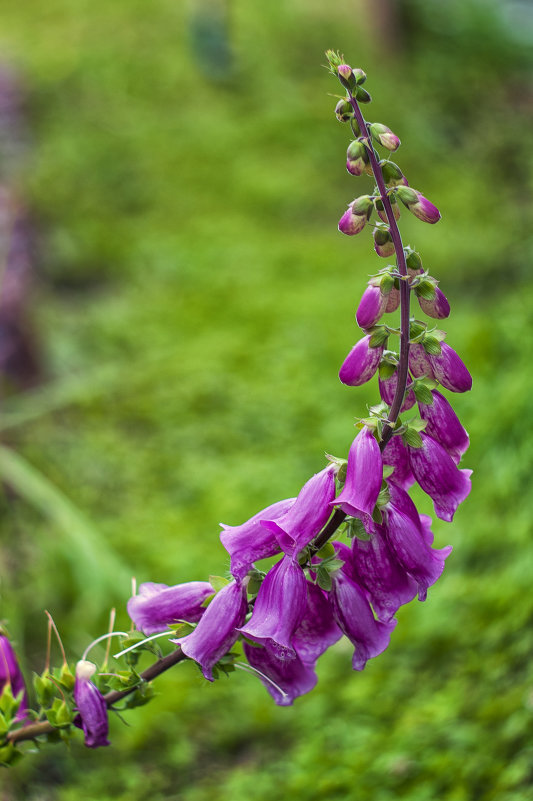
(371, 307)
(393, 301)
(384, 136)
(356, 217)
(449, 369)
(383, 244)
(392, 175)
(381, 209)
(359, 75)
(346, 77)
(343, 110)
(419, 205)
(437, 307)
(413, 260)
(356, 157)
(92, 708)
(361, 363)
(362, 95)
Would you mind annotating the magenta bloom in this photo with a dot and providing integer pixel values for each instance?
(449, 370)
(279, 608)
(157, 605)
(364, 475)
(387, 389)
(443, 426)
(419, 363)
(408, 541)
(309, 513)
(354, 616)
(371, 307)
(438, 307)
(293, 677)
(396, 455)
(437, 474)
(216, 632)
(251, 541)
(10, 673)
(91, 705)
(361, 363)
(317, 630)
(378, 570)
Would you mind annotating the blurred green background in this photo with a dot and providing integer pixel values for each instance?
(192, 301)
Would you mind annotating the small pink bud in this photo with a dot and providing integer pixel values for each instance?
(383, 244)
(346, 77)
(419, 205)
(356, 157)
(438, 307)
(371, 307)
(356, 217)
(384, 136)
(393, 300)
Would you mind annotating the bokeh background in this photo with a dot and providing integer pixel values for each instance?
(175, 307)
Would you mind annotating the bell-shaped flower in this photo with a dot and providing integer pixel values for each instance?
(387, 390)
(91, 706)
(444, 426)
(157, 605)
(354, 617)
(419, 205)
(309, 513)
(396, 455)
(419, 363)
(364, 475)
(409, 544)
(11, 674)
(279, 609)
(438, 475)
(317, 630)
(371, 307)
(356, 216)
(216, 632)
(285, 679)
(251, 541)
(450, 370)
(436, 307)
(379, 572)
(361, 363)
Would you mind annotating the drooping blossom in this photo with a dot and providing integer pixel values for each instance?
(354, 617)
(364, 476)
(437, 474)
(396, 455)
(317, 629)
(387, 390)
(361, 363)
(438, 307)
(92, 708)
(251, 541)
(450, 370)
(279, 608)
(292, 676)
(379, 572)
(307, 515)
(371, 307)
(216, 632)
(408, 540)
(356, 216)
(157, 605)
(419, 363)
(11, 674)
(444, 426)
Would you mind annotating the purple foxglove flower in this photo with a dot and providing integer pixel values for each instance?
(345, 553)
(419, 363)
(387, 389)
(437, 474)
(279, 609)
(309, 513)
(361, 363)
(449, 370)
(384, 136)
(357, 215)
(438, 307)
(408, 541)
(251, 541)
(10, 673)
(378, 571)
(396, 455)
(317, 630)
(364, 475)
(371, 307)
(216, 632)
(419, 205)
(91, 705)
(157, 605)
(354, 617)
(356, 157)
(393, 301)
(293, 677)
(443, 426)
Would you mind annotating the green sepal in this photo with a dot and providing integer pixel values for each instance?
(355, 528)
(66, 677)
(359, 75)
(144, 693)
(255, 579)
(412, 438)
(44, 688)
(7, 754)
(378, 336)
(387, 283)
(323, 579)
(422, 392)
(417, 330)
(412, 259)
(417, 424)
(218, 582)
(8, 703)
(431, 345)
(182, 629)
(426, 288)
(383, 497)
(386, 370)
(122, 680)
(377, 517)
(388, 470)
(4, 726)
(326, 551)
(362, 95)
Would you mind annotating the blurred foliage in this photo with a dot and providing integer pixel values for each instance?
(194, 302)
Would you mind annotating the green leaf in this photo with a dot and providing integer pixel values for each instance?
(323, 579)
(326, 551)
(422, 393)
(377, 517)
(412, 438)
(218, 582)
(417, 424)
